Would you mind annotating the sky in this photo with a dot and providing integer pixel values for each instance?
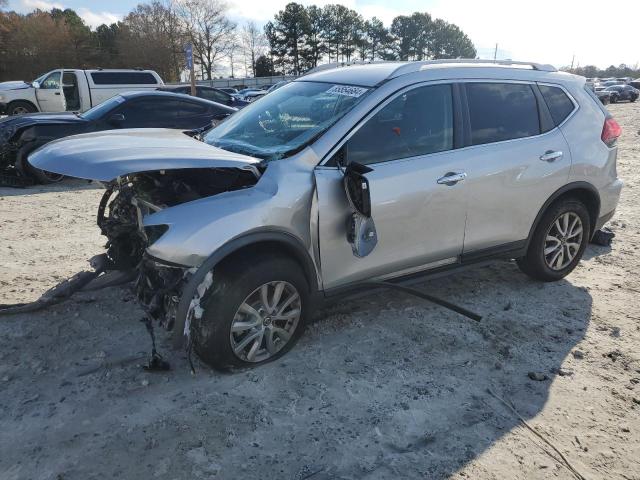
(545, 31)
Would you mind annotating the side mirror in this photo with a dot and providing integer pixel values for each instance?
(117, 119)
(35, 84)
(361, 230)
(356, 186)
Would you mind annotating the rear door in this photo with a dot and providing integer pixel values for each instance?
(409, 144)
(517, 158)
(194, 115)
(50, 94)
(150, 112)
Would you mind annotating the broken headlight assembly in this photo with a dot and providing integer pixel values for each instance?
(154, 232)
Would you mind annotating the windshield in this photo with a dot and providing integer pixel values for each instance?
(286, 120)
(101, 109)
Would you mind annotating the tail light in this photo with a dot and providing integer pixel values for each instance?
(610, 132)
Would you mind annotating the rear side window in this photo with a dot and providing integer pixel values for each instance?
(123, 78)
(560, 105)
(188, 109)
(501, 111)
(418, 122)
(215, 96)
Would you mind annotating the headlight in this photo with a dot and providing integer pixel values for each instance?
(1, 98)
(154, 232)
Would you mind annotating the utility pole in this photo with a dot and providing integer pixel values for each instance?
(495, 53)
(573, 60)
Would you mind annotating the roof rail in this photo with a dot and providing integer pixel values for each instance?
(411, 67)
(329, 66)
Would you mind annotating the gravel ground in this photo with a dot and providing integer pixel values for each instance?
(383, 386)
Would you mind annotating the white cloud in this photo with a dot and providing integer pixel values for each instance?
(91, 17)
(39, 5)
(94, 19)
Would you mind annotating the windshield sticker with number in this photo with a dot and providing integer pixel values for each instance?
(347, 90)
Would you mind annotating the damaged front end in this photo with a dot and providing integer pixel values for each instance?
(123, 208)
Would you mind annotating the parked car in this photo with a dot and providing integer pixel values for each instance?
(601, 92)
(623, 92)
(20, 135)
(229, 90)
(250, 94)
(208, 93)
(72, 90)
(277, 85)
(343, 176)
(635, 83)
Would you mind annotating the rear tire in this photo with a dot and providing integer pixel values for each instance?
(558, 241)
(235, 300)
(20, 108)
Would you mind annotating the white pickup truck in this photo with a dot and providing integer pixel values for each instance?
(72, 90)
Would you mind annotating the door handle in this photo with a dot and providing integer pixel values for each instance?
(451, 178)
(56, 93)
(551, 156)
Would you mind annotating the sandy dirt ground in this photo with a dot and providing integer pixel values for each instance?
(383, 386)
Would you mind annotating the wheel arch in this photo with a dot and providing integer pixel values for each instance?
(583, 191)
(255, 243)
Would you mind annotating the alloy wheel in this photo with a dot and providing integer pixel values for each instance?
(563, 240)
(265, 321)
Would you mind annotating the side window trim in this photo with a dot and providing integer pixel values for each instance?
(544, 114)
(576, 105)
(327, 160)
(534, 87)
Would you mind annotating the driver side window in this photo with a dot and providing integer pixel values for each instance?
(52, 82)
(417, 122)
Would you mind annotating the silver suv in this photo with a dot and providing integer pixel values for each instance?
(379, 171)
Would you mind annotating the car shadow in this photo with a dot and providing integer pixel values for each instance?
(593, 251)
(432, 370)
(382, 385)
(66, 185)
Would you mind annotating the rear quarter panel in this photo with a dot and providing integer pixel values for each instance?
(592, 161)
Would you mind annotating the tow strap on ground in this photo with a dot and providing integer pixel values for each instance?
(425, 296)
(65, 289)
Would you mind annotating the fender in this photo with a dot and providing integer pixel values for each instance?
(557, 194)
(266, 235)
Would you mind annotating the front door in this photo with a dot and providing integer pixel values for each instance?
(419, 214)
(49, 93)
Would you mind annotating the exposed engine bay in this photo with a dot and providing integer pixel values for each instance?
(122, 209)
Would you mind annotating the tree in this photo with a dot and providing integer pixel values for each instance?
(209, 30)
(316, 46)
(378, 38)
(152, 36)
(451, 42)
(264, 67)
(287, 37)
(253, 42)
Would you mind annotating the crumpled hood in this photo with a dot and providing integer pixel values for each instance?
(14, 85)
(107, 155)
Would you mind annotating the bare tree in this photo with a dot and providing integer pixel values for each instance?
(254, 44)
(210, 31)
(152, 36)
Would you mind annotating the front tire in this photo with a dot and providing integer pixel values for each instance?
(20, 108)
(256, 312)
(27, 169)
(558, 242)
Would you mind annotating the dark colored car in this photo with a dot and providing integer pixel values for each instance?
(623, 92)
(208, 93)
(20, 135)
